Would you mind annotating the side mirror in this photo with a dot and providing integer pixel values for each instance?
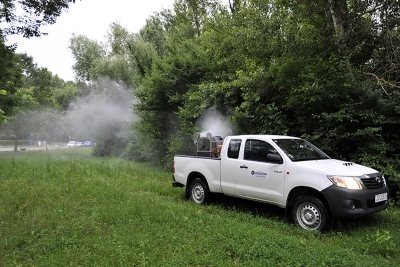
(275, 158)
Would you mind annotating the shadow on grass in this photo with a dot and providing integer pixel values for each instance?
(269, 211)
(254, 208)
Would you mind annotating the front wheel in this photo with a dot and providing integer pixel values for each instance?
(199, 192)
(310, 214)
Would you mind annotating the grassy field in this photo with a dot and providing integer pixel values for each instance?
(63, 207)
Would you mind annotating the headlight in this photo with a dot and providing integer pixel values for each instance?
(349, 182)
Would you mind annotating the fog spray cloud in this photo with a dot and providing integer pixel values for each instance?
(109, 105)
(213, 122)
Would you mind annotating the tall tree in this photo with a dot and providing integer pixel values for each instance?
(86, 53)
(338, 9)
(41, 80)
(154, 33)
(170, 82)
(133, 50)
(10, 80)
(20, 120)
(193, 12)
(235, 5)
(63, 96)
(127, 58)
(26, 17)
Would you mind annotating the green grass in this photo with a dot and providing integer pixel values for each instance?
(63, 207)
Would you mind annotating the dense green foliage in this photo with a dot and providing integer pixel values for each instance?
(24, 87)
(34, 100)
(63, 207)
(10, 80)
(324, 70)
(26, 17)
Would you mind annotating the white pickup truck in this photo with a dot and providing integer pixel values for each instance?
(285, 171)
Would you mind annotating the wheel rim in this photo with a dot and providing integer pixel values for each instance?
(198, 193)
(308, 216)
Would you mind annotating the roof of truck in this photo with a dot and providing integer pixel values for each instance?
(266, 136)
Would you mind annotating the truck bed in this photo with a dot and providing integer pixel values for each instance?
(208, 167)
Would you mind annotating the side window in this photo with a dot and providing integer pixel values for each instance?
(257, 150)
(233, 149)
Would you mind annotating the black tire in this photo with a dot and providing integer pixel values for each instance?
(310, 214)
(199, 192)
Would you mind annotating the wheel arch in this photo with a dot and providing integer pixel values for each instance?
(191, 177)
(303, 191)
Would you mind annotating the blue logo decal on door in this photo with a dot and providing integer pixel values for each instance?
(259, 174)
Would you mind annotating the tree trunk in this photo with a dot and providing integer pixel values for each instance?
(234, 5)
(15, 142)
(337, 8)
(195, 6)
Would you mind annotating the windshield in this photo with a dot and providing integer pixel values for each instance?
(299, 149)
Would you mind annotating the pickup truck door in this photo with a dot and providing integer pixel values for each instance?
(259, 178)
(230, 167)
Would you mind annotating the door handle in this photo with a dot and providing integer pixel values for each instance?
(243, 167)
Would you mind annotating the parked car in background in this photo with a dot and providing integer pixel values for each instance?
(79, 144)
(88, 144)
(72, 144)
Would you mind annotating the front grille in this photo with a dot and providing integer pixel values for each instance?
(374, 181)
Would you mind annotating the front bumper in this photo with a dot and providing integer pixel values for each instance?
(347, 203)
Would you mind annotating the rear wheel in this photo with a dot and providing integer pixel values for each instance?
(199, 192)
(310, 214)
